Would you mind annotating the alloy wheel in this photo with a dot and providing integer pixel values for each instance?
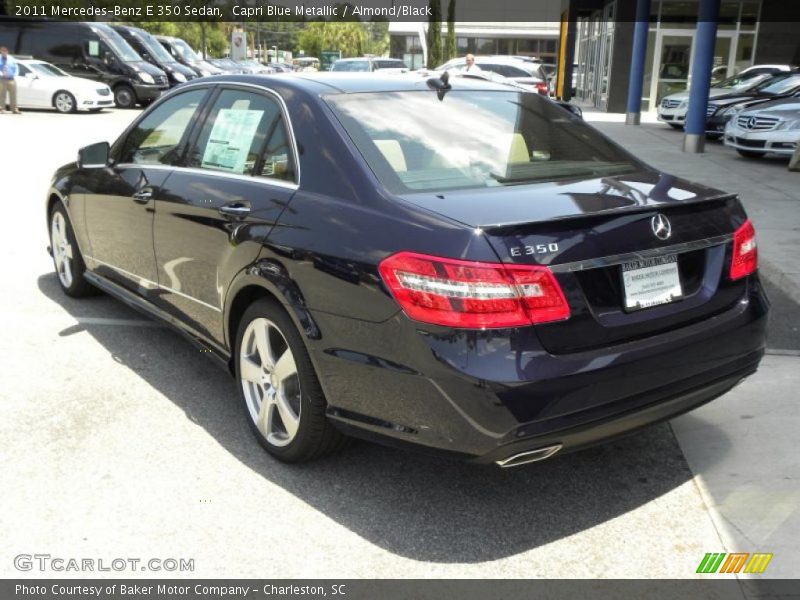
(269, 379)
(64, 102)
(62, 249)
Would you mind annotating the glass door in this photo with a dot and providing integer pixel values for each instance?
(673, 60)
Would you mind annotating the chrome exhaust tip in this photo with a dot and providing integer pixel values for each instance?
(523, 458)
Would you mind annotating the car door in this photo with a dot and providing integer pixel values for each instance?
(25, 93)
(214, 213)
(120, 199)
(36, 88)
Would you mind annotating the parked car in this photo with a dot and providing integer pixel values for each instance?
(673, 108)
(494, 77)
(306, 63)
(369, 64)
(89, 50)
(465, 268)
(226, 65)
(768, 69)
(770, 128)
(527, 73)
(183, 53)
(42, 85)
(255, 66)
(150, 50)
(723, 108)
(282, 67)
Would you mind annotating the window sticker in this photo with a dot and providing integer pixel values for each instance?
(94, 48)
(231, 139)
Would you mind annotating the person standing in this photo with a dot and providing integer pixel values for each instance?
(8, 83)
(471, 67)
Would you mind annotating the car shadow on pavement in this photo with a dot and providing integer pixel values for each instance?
(421, 507)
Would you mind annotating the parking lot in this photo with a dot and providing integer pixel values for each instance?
(119, 439)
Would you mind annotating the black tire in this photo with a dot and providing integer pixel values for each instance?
(675, 125)
(77, 286)
(713, 136)
(64, 102)
(316, 437)
(750, 153)
(124, 96)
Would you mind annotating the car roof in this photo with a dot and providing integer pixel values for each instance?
(498, 58)
(331, 82)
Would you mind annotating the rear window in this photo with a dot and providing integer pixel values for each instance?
(473, 139)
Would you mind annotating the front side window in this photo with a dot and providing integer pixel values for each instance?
(472, 139)
(244, 134)
(157, 137)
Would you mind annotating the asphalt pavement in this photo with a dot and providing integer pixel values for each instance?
(119, 439)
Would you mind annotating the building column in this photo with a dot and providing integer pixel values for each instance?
(639, 53)
(703, 61)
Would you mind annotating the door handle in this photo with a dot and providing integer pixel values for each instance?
(143, 196)
(237, 211)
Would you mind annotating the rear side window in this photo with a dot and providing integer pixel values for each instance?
(157, 137)
(244, 134)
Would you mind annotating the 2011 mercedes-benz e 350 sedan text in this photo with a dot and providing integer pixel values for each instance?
(460, 267)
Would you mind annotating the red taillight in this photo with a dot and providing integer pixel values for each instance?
(745, 253)
(542, 88)
(473, 295)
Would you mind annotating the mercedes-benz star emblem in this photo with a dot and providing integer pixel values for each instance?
(661, 226)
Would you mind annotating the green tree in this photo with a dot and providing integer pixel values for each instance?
(450, 50)
(348, 37)
(434, 36)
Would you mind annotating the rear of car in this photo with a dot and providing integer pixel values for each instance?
(616, 296)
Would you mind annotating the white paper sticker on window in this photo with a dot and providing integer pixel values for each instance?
(230, 139)
(94, 48)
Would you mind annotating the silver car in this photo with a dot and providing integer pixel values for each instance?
(772, 127)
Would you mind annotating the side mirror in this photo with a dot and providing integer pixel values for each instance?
(94, 156)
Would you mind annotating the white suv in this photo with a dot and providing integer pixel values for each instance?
(42, 85)
(772, 127)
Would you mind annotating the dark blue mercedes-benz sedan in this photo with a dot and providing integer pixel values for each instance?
(454, 266)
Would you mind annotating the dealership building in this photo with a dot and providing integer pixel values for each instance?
(539, 39)
(600, 36)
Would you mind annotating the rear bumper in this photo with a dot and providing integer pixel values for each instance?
(654, 406)
(487, 396)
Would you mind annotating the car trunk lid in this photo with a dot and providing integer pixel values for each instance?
(589, 232)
